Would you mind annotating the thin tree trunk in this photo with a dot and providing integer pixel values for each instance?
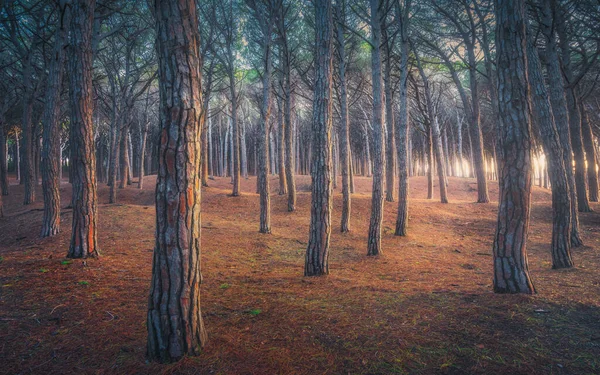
(374, 239)
(84, 202)
(281, 150)
(344, 121)
(175, 326)
(590, 154)
(51, 148)
(4, 190)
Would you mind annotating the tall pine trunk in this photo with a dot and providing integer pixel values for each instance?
(85, 205)
(51, 145)
(511, 271)
(175, 326)
(374, 239)
(317, 252)
(344, 121)
(402, 132)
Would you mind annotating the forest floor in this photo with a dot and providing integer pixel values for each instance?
(424, 307)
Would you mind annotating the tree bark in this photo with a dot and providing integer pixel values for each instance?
(84, 230)
(51, 147)
(344, 121)
(511, 271)
(561, 202)
(559, 110)
(317, 252)
(403, 133)
(374, 239)
(390, 152)
(175, 326)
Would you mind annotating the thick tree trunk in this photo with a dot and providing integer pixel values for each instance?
(344, 121)
(511, 271)
(561, 202)
(84, 230)
(559, 110)
(374, 239)
(175, 326)
(51, 146)
(317, 252)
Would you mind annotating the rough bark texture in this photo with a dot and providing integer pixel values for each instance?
(84, 236)
(402, 133)
(51, 145)
(511, 271)
(263, 132)
(344, 121)
(390, 152)
(374, 239)
(317, 252)
(175, 326)
(561, 201)
(559, 110)
(583, 204)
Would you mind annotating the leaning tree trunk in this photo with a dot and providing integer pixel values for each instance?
(561, 202)
(559, 110)
(51, 147)
(317, 253)
(511, 271)
(84, 231)
(374, 239)
(175, 326)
